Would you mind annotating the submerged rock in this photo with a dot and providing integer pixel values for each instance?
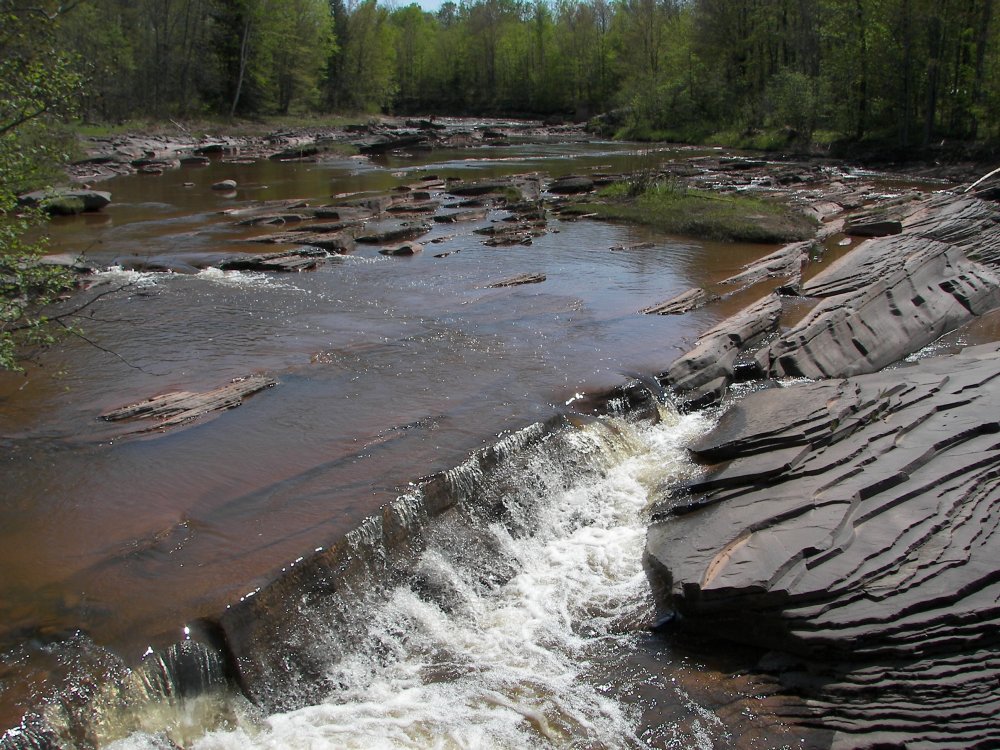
(682, 303)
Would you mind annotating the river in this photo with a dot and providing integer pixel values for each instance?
(389, 369)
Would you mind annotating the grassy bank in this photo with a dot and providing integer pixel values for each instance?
(698, 213)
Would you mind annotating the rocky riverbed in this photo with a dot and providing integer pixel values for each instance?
(843, 527)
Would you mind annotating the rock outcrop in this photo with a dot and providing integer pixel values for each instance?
(883, 301)
(702, 375)
(854, 526)
(891, 297)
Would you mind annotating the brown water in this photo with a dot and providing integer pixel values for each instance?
(389, 369)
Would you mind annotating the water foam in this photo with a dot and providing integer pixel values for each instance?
(492, 653)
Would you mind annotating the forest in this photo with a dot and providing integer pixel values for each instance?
(900, 72)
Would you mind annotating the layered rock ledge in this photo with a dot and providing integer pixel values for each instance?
(855, 525)
(849, 524)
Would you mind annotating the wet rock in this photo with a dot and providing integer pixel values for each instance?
(272, 220)
(425, 125)
(682, 303)
(195, 160)
(634, 246)
(300, 151)
(264, 208)
(224, 185)
(179, 407)
(786, 262)
(215, 148)
(525, 278)
(154, 264)
(332, 242)
(74, 263)
(328, 227)
(297, 260)
(853, 524)
(458, 216)
(343, 213)
(392, 143)
(375, 204)
(414, 207)
(406, 249)
(379, 233)
(483, 187)
(155, 165)
(740, 164)
(702, 375)
(66, 201)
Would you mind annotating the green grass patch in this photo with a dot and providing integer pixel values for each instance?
(702, 214)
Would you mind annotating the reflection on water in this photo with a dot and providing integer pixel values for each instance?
(389, 369)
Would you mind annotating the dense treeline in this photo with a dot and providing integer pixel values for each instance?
(907, 71)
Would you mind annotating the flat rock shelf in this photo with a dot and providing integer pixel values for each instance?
(179, 407)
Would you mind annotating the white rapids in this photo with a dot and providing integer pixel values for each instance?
(501, 666)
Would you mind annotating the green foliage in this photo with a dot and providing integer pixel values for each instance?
(37, 86)
(907, 71)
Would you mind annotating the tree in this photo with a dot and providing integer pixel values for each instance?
(367, 59)
(414, 35)
(38, 84)
(301, 40)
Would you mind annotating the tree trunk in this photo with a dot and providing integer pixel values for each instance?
(244, 47)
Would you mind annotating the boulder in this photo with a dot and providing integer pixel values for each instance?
(936, 290)
(66, 201)
(224, 185)
(890, 297)
(407, 248)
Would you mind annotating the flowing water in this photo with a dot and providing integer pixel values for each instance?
(389, 369)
